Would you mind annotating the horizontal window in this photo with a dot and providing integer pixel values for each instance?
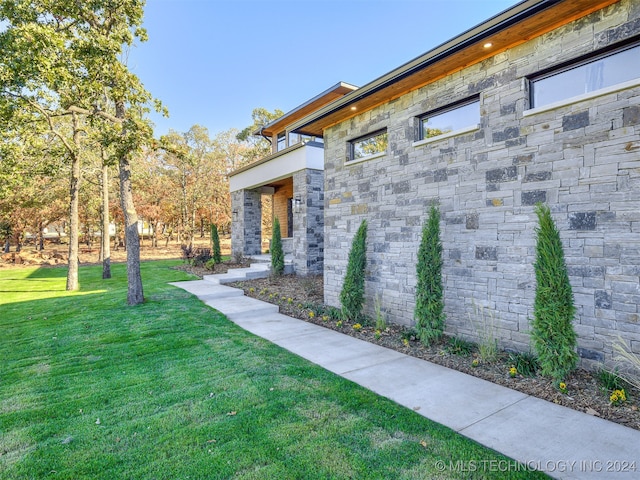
(588, 75)
(452, 118)
(291, 139)
(367, 146)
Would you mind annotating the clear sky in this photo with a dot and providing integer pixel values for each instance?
(211, 62)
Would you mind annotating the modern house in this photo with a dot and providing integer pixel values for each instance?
(538, 104)
(293, 176)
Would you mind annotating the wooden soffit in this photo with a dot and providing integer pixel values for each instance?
(337, 91)
(520, 24)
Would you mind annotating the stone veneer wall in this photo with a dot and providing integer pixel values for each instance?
(246, 225)
(308, 224)
(581, 159)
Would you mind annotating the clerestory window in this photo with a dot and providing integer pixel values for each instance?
(458, 117)
(587, 75)
(368, 146)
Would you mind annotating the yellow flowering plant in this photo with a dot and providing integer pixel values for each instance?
(618, 396)
(513, 371)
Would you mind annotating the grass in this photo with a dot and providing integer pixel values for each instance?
(93, 388)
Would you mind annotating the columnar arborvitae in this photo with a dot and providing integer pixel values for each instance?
(352, 294)
(277, 255)
(215, 241)
(554, 338)
(429, 312)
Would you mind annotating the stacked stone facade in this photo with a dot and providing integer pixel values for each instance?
(308, 224)
(582, 159)
(246, 227)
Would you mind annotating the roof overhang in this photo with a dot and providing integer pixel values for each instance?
(280, 124)
(519, 24)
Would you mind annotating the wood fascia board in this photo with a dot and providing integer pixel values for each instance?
(543, 22)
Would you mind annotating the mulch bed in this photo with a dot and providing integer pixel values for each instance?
(302, 298)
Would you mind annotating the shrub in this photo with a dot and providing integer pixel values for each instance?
(215, 242)
(210, 264)
(200, 257)
(187, 252)
(553, 336)
(277, 255)
(352, 293)
(429, 312)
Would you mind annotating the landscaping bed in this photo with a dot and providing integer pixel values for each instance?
(302, 297)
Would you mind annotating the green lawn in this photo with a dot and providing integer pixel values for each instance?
(93, 388)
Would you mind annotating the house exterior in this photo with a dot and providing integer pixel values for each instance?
(538, 104)
(293, 176)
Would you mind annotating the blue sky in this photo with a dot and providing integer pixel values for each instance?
(211, 62)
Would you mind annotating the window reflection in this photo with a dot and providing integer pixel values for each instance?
(370, 145)
(604, 71)
(456, 118)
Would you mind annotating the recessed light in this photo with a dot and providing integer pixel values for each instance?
(488, 45)
(354, 108)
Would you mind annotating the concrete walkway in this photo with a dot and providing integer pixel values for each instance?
(541, 435)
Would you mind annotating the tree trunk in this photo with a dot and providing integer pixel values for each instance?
(135, 294)
(106, 244)
(7, 245)
(74, 190)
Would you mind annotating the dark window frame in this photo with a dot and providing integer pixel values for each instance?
(444, 109)
(351, 144)
(578, 62)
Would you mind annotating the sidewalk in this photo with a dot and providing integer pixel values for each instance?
(562, 442)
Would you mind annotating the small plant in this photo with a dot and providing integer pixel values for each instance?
(187, 252)
(460, 346)
(312, 314)
(339, 324)
(513, 371)
(210, 264)
(277, 254)
(409, 334)
(352, 293)
(475, 363)
(629, 361)
(381, 322)
(357, 327)
(405, 342)
(610, 380)
(252, 290)
(325, 318)
(215, 243)
(200, 257)
(429, 311)
(552, 333)
(525, 362)
(377, 334)
(238, 257)
(618, 397)
(562, 387)
(485, 328)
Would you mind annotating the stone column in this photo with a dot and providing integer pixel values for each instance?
(246, 222)
(308, 222)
